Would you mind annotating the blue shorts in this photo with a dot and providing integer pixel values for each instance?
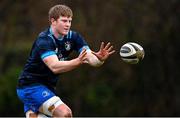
(34, 96)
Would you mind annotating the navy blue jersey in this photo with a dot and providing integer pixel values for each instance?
(35, 70)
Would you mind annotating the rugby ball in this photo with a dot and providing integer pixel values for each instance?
(132, 53)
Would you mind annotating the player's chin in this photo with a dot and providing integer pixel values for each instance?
(65, 32)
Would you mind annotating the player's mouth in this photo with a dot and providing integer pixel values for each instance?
(66, 29)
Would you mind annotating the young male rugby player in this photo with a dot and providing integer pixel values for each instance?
(48, 58)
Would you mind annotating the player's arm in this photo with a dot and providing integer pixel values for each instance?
(57, 66)
(97, 58)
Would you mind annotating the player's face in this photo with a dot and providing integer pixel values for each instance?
(63, 25)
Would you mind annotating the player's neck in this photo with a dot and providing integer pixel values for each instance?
(55, 33)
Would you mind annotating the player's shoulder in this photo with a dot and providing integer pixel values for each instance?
(43, 38)
(44, 33)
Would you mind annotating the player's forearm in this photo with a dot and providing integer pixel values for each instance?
(64, 66)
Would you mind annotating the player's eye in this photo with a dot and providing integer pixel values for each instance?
(70, 21)
(64, 21)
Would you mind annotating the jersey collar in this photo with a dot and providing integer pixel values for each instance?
(51, 33)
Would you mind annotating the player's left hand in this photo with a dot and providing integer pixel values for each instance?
(104, 52)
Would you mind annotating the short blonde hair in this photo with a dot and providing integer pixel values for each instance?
(60, 10)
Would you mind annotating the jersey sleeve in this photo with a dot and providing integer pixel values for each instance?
(46, 47)
(80, 42)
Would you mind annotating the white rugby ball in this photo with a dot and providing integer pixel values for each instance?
(132, 53)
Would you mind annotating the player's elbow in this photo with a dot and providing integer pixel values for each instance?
(54, 69)
(58, 69)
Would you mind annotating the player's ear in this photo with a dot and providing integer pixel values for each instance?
(53, 21)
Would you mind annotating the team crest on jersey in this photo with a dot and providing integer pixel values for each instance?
(67, 45)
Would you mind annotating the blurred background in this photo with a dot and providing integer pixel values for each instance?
(150, 88)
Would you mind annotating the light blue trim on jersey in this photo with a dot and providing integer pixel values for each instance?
(51, 33)
(69, 35)
(86, 47)
(50, 30)
(48, 53)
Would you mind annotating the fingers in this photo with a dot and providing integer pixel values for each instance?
(102, 46)
(107, 46)
(84, 50)
(111, 52)
(104, 52)
(83, 54)
(93, 53)
(109, 49)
